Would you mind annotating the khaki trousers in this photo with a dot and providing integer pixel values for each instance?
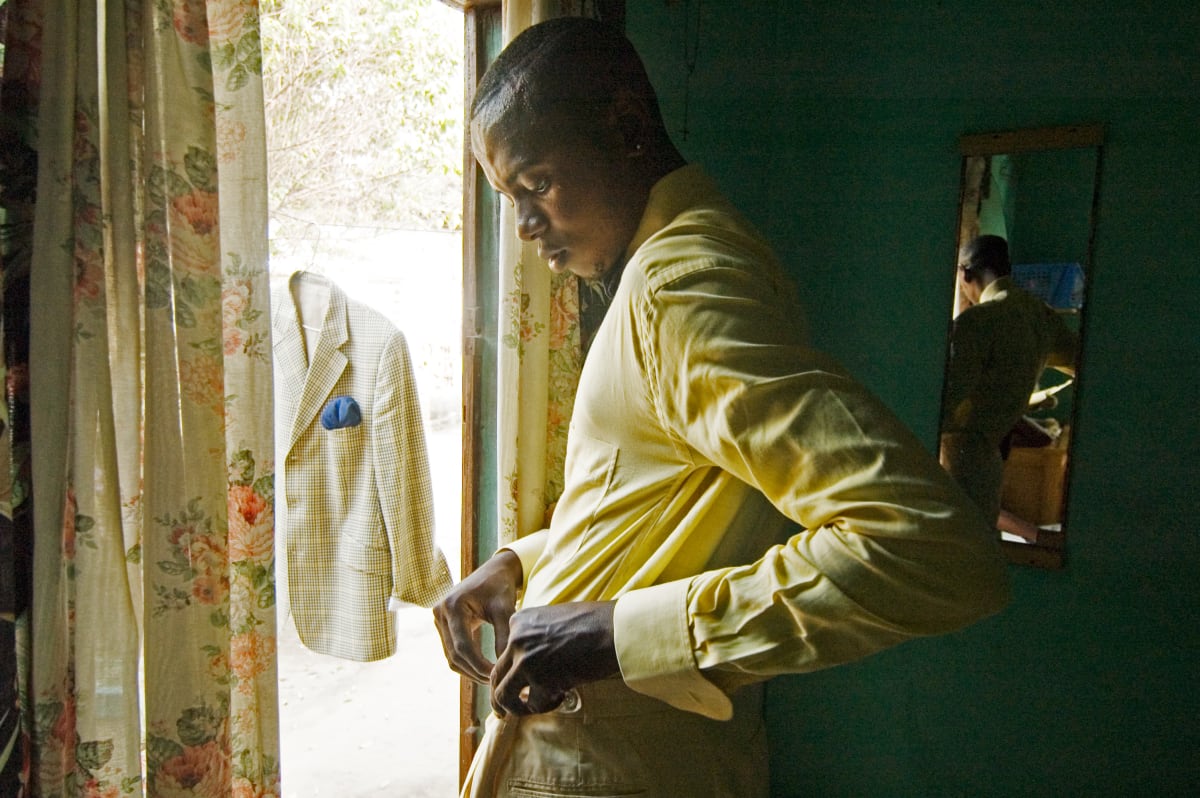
(607, 740)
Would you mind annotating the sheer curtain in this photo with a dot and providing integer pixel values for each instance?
(147, 650)
(540, 354)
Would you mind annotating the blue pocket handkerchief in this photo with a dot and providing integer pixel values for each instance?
(342, 411)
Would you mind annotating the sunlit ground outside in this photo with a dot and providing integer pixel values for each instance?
(364, 130)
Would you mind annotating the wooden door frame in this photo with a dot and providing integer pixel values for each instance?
(483, 24)
(482, 20)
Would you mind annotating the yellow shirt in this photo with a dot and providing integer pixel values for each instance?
(998, 350)
(753, 509)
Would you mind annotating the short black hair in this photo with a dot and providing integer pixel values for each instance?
(988, 253)
(566, 70)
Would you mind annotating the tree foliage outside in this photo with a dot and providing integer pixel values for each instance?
(364, 115)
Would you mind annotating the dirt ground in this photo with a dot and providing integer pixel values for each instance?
(359, 730)
(373, 729)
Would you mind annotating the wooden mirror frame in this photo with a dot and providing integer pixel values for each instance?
(1049, 551)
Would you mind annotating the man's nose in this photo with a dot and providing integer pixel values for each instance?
(530, 223)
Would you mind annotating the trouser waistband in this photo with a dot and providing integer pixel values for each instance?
(612, 698)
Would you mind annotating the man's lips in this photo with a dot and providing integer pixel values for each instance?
(551, 256)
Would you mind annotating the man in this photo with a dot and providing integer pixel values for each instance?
(735, 506)
(998, 349)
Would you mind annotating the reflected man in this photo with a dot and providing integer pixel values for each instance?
(998, 349)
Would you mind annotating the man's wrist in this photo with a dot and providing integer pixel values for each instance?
(507, 560)
(529, 549)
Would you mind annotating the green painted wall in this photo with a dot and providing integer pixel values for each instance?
(835, 126)
(1053, 206)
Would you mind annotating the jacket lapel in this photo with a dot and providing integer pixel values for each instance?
(328, 363)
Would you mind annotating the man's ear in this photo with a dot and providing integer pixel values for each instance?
(630, 121)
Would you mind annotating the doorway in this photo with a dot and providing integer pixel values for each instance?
(364, 130)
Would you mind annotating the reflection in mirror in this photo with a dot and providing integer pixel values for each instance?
(1026, 212)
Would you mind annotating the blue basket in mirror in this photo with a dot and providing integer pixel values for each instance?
(1059, 285)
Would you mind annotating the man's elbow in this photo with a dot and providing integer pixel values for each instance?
(961, 590)
(981, 592)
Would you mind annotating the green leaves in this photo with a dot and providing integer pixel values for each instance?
(84, 525)
(45, 714)
(241, 60)
(93, 755)
(241, 467)
(164, 185)
(265, 486)
(158, 279)
(159, 750)
(201, 168)
(198, 725)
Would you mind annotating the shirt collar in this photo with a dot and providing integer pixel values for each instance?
(996, 290)
(674, 193)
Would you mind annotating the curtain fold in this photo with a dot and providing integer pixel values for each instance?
(152, 627)
(18, 110)
(540, 354)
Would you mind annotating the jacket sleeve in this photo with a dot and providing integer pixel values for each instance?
(419, 571)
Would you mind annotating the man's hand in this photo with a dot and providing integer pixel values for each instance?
(550, 650)
(487, 595)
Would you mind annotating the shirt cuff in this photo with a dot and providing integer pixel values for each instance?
(654, 650)
(528, 549)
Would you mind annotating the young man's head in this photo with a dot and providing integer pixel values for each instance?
(981, 262)
(566, 125)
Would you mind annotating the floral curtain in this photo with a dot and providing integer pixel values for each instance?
(540, 353)
(147, 651)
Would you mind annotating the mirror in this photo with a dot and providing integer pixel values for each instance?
(1026, 218)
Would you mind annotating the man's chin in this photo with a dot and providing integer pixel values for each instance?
(594, 273)
(562, 262)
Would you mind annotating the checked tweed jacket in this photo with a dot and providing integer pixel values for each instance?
(356, 509)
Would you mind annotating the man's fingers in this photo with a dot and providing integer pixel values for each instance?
(462, 652)
(506, 691)
(487, 595)
(511, 697)
(514, 694)
(500, 627)
(469, 661)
